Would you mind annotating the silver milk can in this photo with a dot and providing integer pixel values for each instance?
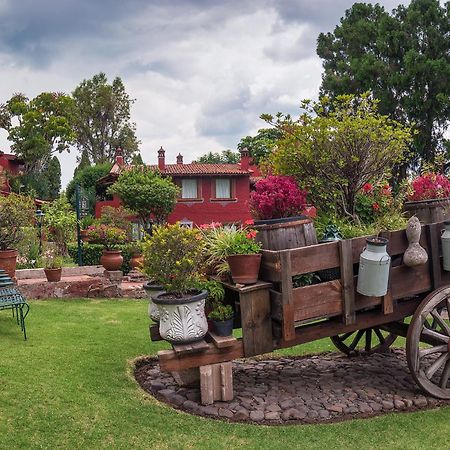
(374, 264)
(445, 239)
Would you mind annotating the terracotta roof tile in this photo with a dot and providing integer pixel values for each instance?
(203, 169)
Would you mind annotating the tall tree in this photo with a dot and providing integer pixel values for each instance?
(53, 175)
(225, 157)
(102, 119)
(403, 58)
(261, 145)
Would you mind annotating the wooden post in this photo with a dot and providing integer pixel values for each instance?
(348, 285)
(387, 300)
(434, 259)
(288, 324)
(216, 383)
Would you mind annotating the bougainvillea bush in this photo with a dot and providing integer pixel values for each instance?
(429, 186)
(106, 235)
(277, 197)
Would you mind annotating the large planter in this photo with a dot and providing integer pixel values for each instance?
(8, 261)
(152, 290)
(111, 259)
(244, 268)
(285, 233)
(429, 211)
(53, 275)
(136, 261)
(182, 320)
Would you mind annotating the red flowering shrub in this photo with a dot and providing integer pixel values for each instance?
(428, 186)
(276, 197)
(106, 235)
(374, 200)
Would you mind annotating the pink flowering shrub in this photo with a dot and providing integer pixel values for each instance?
(276, 197)
(106, 235)
(428, 186)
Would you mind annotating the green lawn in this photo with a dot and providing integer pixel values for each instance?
(69, 386)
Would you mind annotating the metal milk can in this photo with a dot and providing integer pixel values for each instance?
(445, 239)
(374, 264)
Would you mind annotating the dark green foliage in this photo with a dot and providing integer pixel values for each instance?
(225, 157)
(261, 145)
(137, 160)
(93, 252)
(403, 58)
(83, 162)
(102, 119)
(53, 175)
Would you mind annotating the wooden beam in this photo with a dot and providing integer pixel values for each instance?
(288, 323)
(194, 347)
(220, 341)
(347, 281)
(434, 259)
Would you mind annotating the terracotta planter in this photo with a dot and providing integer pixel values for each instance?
(53, 275)
(136, 261)
(244, 268)
(84, 236)
(111, 259)
(182, 320)
(8, 262)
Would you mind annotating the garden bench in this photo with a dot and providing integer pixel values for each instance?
(12, 299)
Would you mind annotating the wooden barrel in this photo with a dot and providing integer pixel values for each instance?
(283, 234)
(429, 211)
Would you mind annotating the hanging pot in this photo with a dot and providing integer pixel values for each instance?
(445, 239)
(152, 290)
(111, 260)
(244, 268)
(374, 265)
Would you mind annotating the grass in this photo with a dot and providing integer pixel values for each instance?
(69, 387)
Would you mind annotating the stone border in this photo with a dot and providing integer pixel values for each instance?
(300, 390)
(26, 274)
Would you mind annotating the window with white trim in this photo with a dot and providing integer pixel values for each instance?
(223, 188)
(189, 188)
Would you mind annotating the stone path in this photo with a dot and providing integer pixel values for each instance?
(310, 389)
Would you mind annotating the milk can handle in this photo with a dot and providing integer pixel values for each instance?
(384, 256)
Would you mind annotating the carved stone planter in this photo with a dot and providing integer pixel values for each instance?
(182, 320)
(152, 290)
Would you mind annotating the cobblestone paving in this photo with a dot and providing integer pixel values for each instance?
(310, 389)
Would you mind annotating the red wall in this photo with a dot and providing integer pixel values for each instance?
(7, 164)
(206, 210)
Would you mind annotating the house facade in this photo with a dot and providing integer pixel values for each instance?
(208, 192)
(9, 164)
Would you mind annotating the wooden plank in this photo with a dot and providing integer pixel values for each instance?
(347, 281)
(388, 303)
(434, 259)
(248, 288)
(220, 341)
(154, 333)
(270, 266)
(206, 385)
(169, 361)
(226, 381)
(388, 300)
(313, 258)
(195, 347)
(287, 299)
(216, 383)
(256, 322)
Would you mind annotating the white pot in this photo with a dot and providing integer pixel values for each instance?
(183, 320)
(152, 290)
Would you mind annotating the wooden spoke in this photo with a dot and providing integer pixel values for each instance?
(374, 341)
(430, 366)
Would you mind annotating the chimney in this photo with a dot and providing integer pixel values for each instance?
(119, 157)
(245, 159)
(161, 159)
(180, 158)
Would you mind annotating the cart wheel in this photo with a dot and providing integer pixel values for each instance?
(429, 363)
(370, 340)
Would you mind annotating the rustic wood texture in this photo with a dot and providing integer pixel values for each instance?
(194, 347)
(347, 281)
(256, 322)
(169, 361)
(434, 260)
(220, 341)
(287, 297)
(216, 383)
(429, 211)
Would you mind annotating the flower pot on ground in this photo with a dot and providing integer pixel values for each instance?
(277, 205)
(53, 275)
(222, 317)
(152, 290)
(136, 261)
(111, 260)
(52, 264)
(172, 258)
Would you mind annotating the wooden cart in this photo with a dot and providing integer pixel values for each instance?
(274, 314)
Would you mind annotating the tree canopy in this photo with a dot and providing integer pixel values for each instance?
(225, 157)
(261, 145)
(102, 119)
(403, 58)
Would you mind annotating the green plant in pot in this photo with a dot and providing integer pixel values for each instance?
(52, 264)
(173, 257)
(16, 214)
(222, 317)
(110, 237)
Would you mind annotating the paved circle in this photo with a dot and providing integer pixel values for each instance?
(311, 389)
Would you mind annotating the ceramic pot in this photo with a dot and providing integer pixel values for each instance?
(244, 268)
(8, 262)
(53, 275)
(152, 290)
(136, 261)
(182, 320)
(111, 259)
(223, 327)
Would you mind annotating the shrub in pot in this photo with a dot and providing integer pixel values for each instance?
(173, 257)
(52, 265)
(222, 317)
(16, 216)
(110, 237)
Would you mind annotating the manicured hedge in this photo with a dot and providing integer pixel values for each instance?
(93, 252)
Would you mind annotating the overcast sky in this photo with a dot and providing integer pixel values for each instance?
(201, 71)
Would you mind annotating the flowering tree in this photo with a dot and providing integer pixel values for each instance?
(428, 186)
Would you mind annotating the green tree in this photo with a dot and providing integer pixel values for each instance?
(403, 58)
(336, 147)
(261, 145)
(146, 193)
(137, 160)
(225, 157)
(102, 119)
(53, 175)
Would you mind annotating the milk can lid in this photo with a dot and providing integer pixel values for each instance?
(380, 241)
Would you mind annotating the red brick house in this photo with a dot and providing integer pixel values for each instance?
(209, 192)
(9, 164)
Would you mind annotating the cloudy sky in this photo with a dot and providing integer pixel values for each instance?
(201, 71)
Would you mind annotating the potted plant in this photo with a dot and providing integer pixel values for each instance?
(152, 289)
(52, 265)
(137, 257)
(85, 223)
(16, 214)
(222, 317)
(110, 237)
(173, 256)
(277, 204)
(429, 198)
